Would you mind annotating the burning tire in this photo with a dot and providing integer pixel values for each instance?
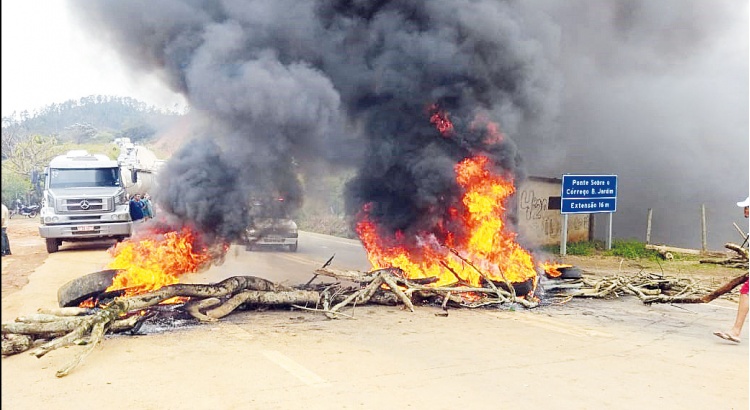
(87, 286)
(520, 288)
(571, 273)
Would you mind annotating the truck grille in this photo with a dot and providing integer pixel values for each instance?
(84, 205)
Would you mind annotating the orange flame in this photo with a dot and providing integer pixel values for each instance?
(488, 249)
(88, 303)
(151, 263)
(440, 119)
(551, 268)
(483, 248)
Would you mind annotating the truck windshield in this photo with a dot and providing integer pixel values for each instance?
(90, 177)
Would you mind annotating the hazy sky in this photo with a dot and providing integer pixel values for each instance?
(45, 60)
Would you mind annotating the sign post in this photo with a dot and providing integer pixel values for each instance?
(587, 194)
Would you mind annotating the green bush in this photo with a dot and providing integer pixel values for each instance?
(624, 248)
(584, 248)
(631, 249)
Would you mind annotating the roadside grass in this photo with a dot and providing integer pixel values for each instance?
(624, 248)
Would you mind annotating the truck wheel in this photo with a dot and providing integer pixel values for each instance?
(52, 245)
(293, 248)
(77, 290)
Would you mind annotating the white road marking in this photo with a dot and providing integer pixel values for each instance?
(296, 369)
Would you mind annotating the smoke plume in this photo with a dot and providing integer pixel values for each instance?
(631, 88)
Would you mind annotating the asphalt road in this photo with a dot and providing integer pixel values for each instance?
(584, 354)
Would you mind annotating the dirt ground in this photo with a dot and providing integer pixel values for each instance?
(28, 252)
(587, 354)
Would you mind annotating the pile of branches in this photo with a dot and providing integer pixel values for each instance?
(654, 288)
(50, 329)
(739, 260)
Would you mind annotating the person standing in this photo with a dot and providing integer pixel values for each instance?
(6, 243)
(136, 208)
(733, 335)
(148, 210)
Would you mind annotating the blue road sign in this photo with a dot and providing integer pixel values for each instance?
(586, 194)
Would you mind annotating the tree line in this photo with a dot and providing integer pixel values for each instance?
(31, 140)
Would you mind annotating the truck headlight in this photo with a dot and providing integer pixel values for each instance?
(49, 201)
(121, 198)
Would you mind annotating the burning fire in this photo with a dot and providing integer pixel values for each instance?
(552, 268)
(484, 247)
(151, 263)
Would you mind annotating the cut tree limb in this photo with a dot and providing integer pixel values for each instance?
(737, 248)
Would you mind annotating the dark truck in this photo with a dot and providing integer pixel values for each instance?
(270, 226)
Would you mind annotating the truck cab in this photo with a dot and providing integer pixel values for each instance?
(84, 199)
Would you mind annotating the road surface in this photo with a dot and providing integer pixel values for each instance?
(584, 354)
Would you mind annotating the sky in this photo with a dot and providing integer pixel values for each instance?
(46, 60)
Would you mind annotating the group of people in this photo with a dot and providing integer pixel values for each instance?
(141, 208)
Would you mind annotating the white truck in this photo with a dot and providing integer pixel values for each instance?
(86, 195)
(139, 166)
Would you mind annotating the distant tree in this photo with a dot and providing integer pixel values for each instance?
(32, 154)
(139, 134)
(12, 133)
(14, 186)
(80, 132)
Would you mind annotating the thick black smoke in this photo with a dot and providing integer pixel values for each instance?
(583, 86)
(349, 81)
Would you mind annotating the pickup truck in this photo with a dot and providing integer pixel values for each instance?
(270, 226)
(272, 232)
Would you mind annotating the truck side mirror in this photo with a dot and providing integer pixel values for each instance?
(134, 175)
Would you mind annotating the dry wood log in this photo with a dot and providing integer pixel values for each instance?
(14, 344)
(411, 287)
(297, 297)
(66, 311)
(737, 248)
(68, 326)
(97, 322)
(727, 287)
(663, 249)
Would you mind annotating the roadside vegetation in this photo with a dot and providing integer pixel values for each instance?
(624, 248)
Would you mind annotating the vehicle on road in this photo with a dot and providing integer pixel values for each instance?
(28, 211)
(273, 232)
(84, 199)
(86, 195)
(271, 226)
